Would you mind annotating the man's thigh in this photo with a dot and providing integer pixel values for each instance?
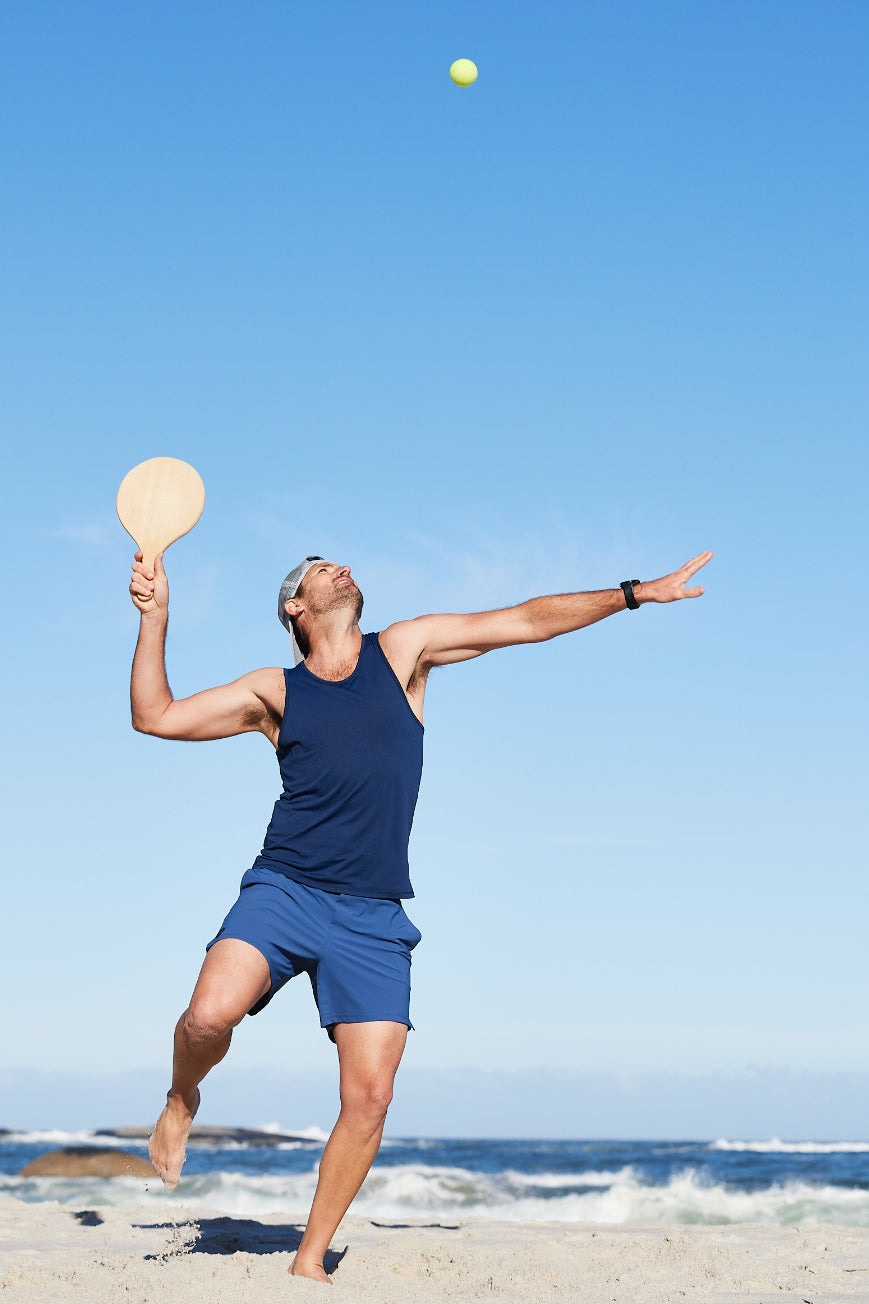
(234, 976)
(369, 1053)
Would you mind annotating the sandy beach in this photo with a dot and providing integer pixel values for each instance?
(50, 1254)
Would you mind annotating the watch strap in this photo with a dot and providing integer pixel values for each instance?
(627, 587)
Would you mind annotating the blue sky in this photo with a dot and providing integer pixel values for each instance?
(602, 310)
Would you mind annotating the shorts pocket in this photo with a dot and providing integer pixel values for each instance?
(408, 932)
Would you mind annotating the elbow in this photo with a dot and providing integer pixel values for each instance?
(145, 724)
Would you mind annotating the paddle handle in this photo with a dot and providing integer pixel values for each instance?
(148, 559)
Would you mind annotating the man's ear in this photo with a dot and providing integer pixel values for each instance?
(293, 608)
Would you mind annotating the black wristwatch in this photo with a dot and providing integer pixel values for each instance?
(627, 587)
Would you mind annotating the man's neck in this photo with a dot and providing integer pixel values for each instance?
(335, 647)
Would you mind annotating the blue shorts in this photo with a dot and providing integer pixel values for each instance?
(355, 950)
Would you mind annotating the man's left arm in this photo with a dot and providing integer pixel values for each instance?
(445, 639)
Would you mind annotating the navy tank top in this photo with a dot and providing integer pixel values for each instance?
(350, 754)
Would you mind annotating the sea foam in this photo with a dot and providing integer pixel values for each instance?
(450, 1193)
(776, 1147)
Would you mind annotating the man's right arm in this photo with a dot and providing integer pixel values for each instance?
(253, 703)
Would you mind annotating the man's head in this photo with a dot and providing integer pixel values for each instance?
(312, 589)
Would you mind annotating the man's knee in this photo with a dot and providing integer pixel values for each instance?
(208, 1020)
(369, 1098)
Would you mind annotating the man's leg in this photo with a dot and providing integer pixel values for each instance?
(369, 1055)
(233, 978)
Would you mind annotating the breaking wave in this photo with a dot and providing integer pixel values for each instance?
(419, 1191)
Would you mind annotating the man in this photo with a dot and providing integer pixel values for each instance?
(325, 894)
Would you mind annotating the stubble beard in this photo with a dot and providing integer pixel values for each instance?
(347, 595)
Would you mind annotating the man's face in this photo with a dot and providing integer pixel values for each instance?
(328, 587)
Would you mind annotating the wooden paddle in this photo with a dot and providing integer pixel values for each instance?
(159, 501)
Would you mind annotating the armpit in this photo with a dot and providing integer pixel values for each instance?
(419, 678)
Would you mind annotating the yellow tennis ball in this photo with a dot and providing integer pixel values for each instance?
(463, 72)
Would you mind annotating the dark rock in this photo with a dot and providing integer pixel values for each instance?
(88, 1161)
(206, 1136)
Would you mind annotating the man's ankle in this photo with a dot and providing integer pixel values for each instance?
(309, 1257)
(187, 1101)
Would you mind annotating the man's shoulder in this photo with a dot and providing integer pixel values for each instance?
(266, 674)
(268, 684)
(403, 631)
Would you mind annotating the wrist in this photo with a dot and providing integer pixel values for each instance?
(155, 619)
(644, 592)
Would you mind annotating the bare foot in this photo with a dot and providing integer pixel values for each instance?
(168, 1145)
(309, 1268)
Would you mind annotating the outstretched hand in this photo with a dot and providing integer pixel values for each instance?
(670, 588)
(149, 589)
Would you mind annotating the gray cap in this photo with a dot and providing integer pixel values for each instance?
(289, 589)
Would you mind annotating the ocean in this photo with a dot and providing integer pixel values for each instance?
(776, 1182)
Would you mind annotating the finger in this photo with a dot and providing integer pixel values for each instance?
(696, 562)
(139, 569)
(693, 593)
(138, 555)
